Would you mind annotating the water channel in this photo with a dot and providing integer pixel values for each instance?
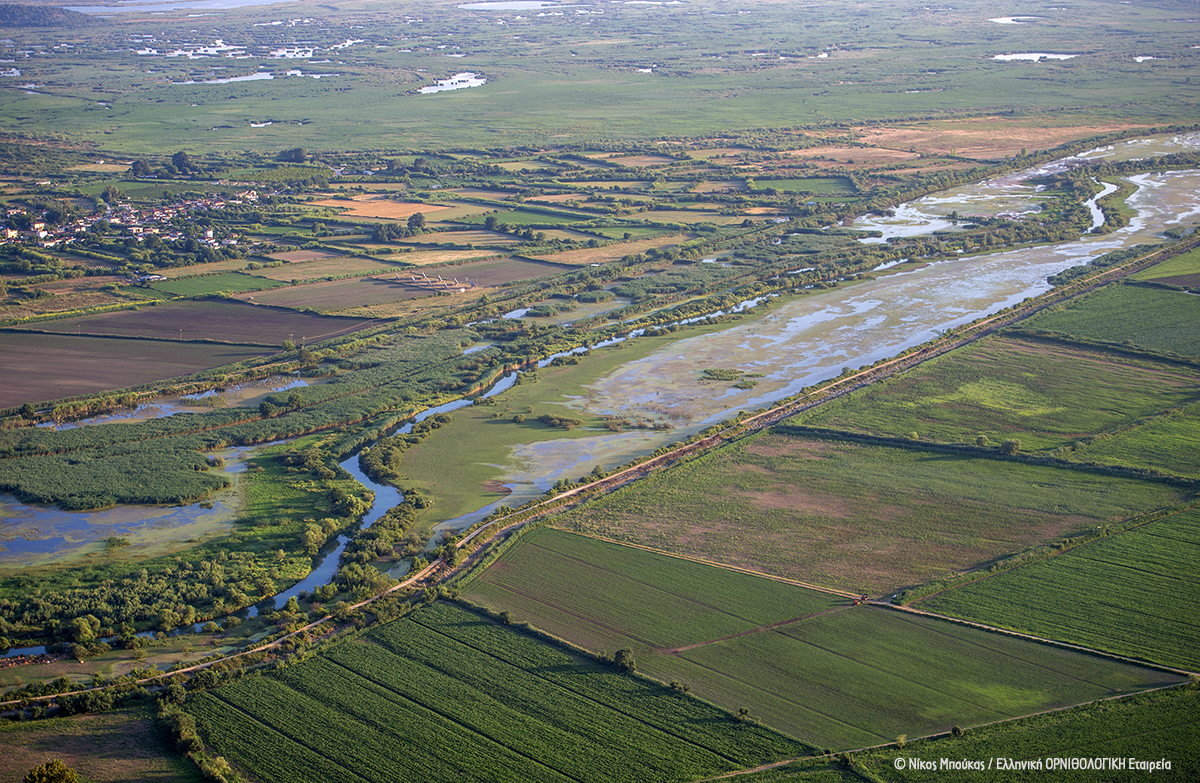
(795, 344)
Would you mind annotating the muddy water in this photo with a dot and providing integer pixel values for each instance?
(804, 341)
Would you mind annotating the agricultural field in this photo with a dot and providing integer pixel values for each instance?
(818, 186)
(1154, 726)
(86, 365)
(1122, 593)
(332, 296)
(233, 282)
(807, 663)
(1182, 270)
(1045, 395)
(341, 266)
(1167, 443)
(1162, 321)
(868, 519)
(444, 693)
(216, 321)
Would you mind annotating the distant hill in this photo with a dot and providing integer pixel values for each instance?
(13, 15)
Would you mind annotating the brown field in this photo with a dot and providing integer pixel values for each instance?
(632, 160)
(336, 295)
(684, 216)
(37, 367)
(1186, 281)
(123, 745)
(372, 206)
(717, 185)
(483, 193)
(566, 233)
(631, 185)
(222, 321)
(300, 256)
(984, 138)
(336, 266)
(427, 257)
(558, 199)
(19, 307)
(596, 255)
(474, 236)
(856, 154)
(716, 152)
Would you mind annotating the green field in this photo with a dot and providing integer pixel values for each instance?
(1163, 321)
(444, 694)
(804, 662)
(818, 185)
(1046, 396)
(233, 282)
(1129, 593)
(1182, 270)
(863, 518)
(1154, 726)
(1167, 443)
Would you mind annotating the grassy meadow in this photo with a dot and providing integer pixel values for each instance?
(863, 518)
(1133, 316)
(1047, 396)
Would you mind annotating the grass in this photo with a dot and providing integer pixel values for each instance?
(462, 480)
(1047, 396)
(1183, 269)
(1164, 321)
(1167, 443)
(824, 186)
(111, 747)
(233, 282)
(445, 694)
(1162, 725)
(1127, 593)
(863, 518)
(804, 662)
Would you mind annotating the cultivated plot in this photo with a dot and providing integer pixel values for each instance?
(445, 694)
(38, 367)
(1164, 321)
(219, 321)
(1129, 593)
(808, 663)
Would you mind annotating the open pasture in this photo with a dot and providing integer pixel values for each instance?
(470, 236)
(868, 519)
(110, 747)
(445, 694)
(826, 186)
(233, 282)
(326, 267)
(222, 321)
(1165, 321)
(1169, 443)
(1045, 395)
(807, 663)
(38, 367)
(528, 217)
(1128, 593)
(302, 256)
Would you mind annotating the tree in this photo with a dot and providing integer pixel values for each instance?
(624, 660)
(1010, 447)
(53, 771)
(182, 161)
(416, 220)
(294, 155)
(140, 168)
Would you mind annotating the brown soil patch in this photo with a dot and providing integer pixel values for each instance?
(597, 255)
(782, 446)
(984, 138)
(477, 236)
(857, 154)
(300, 256)
(719, 185)
(376, 207)
(1186, 281)
(558, 199)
